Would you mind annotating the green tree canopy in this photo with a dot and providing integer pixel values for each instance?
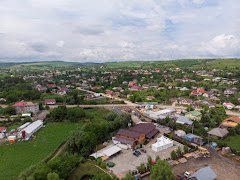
(161, 171)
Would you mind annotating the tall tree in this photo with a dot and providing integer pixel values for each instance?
(161, 171)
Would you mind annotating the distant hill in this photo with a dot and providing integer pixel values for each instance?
(193, 63)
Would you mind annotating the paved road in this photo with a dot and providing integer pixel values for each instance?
(161, 106)
(108, 96)
(129, 104)
(94, 106)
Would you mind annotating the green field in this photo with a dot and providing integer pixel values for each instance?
(233, 142)
(224, 63)
(17, 157)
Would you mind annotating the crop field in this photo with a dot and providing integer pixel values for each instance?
(17, 157)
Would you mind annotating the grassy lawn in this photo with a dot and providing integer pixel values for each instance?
(85, 171)
(97, 114)
(17, 157)
(233, 142)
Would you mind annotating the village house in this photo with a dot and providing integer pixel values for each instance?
(41, 88)
(194, 115)
(150, 98)
(184, 101)
(3, 131)
(131, 137)
(51, 85)
(228, 105)
(194, 139)
(26, 107)
(229, 92)
(183, 120)
(49, 101)
(109, 92)
(218, 133)
(132, 83)
(145, 86)
(198, 92)
(62, 91)
(135, 88)
(230, 122)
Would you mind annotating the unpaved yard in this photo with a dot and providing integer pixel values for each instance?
(224, 168)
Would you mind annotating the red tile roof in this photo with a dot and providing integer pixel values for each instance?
(132, 83)
(3, 129)
(22, 104)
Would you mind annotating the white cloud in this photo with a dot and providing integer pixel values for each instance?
(223, 45)
(118, 29)
(199, 1)
(60, 43)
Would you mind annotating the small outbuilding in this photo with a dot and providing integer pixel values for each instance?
(205, 173)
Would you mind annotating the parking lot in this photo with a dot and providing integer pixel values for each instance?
(126, 161)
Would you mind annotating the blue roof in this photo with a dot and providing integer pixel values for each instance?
(205, 173)
(190, 135)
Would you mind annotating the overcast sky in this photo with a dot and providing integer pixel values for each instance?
(115, 30)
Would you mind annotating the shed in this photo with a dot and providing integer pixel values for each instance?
(205, 173)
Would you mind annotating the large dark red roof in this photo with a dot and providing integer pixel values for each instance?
(128, 133)
(125, 140)
(144, 128)
(148, 129)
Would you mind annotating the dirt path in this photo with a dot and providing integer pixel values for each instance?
(103, 170)
(57, 152)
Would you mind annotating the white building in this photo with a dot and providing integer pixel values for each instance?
(31, 129)
(162, 143)
(162, 114)
(23, 126)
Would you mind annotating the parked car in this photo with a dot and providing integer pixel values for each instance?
(187, 174)
(136, 154)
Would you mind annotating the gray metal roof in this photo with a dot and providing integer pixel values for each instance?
(184, 120)
(205, 173)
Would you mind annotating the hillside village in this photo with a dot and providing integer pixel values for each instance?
(175, 113)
